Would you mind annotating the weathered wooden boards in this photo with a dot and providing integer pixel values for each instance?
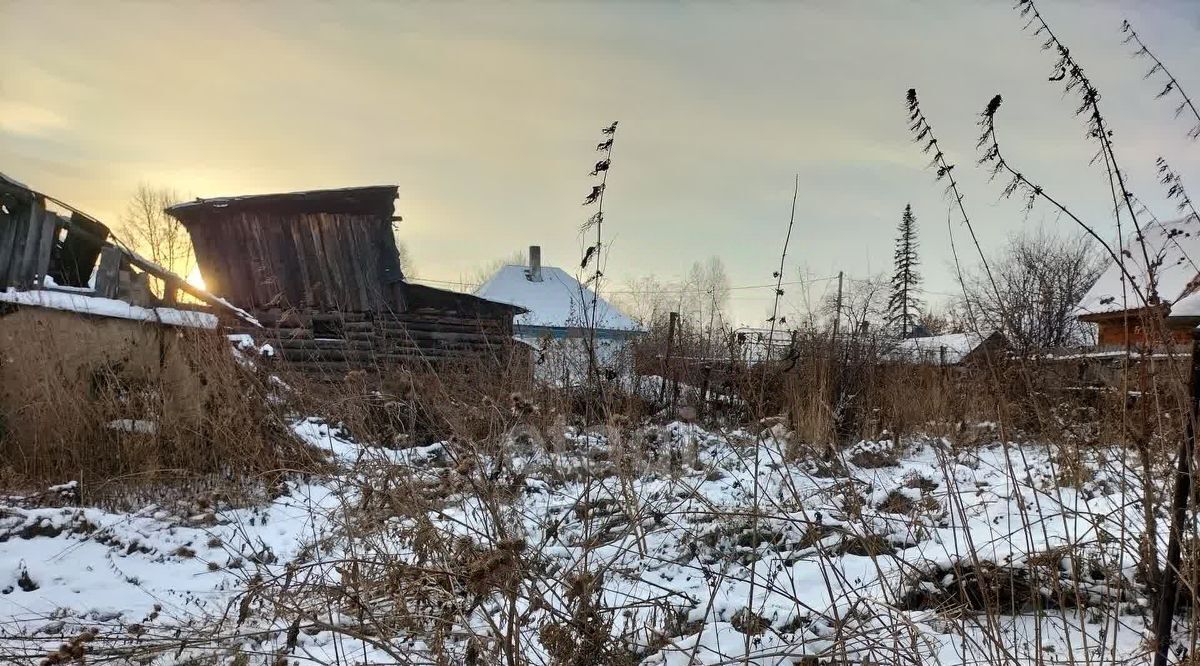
(27, 242)
(47, 237)
(79, 251)
(321, 261)
(321, 271)
(324, 341)
(108, 274)
(10, 227)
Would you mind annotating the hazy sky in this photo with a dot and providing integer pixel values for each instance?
(486, 115)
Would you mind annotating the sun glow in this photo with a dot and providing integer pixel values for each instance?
(195, 279)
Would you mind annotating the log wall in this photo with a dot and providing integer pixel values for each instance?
(338, 342)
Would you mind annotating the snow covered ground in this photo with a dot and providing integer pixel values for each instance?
(703, 548)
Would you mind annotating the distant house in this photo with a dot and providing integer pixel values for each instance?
(558, 313)
(1113, 303)
(755, 345)
(948, 349)
(321, 270)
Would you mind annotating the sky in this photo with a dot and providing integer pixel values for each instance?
(486, 115)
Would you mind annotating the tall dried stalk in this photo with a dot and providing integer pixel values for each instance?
(1172, 85)
(595, 252)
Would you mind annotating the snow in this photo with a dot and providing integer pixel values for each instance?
(558, 301)
(245, 342)
(212, 298)
(108, 307)
(947, 349)
(1174, 247)
(1188, 306)
(691, 555)
(49, 283)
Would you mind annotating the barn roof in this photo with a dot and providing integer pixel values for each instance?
(557, 301)
(12, 183)
(1174, 249)
(374, 199)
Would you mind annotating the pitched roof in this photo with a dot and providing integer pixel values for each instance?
(350, 200)
(557, 301)
(948, 349)
(1174, 251)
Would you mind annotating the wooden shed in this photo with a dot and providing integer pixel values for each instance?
(321, 270)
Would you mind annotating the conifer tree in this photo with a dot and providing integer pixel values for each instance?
(904, 303)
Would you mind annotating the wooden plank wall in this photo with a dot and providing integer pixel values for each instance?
(8, 234)
(317, 261)
(21, 246)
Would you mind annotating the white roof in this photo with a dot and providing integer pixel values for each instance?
(1188, 306)
(1174, 247)
(107, 307)
(558, 301)
(946, 349)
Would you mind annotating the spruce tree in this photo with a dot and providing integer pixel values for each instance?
(904, 304)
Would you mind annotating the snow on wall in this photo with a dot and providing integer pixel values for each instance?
(558, 300)
(1174, 247)
(108, 307)
(946, 349)
(562, 361)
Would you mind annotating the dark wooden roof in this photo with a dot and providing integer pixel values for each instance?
(421, 297)
(375, 199)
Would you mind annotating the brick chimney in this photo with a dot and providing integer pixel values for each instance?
(534, 274)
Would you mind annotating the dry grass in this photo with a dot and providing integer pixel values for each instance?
(170, 408)
(394, 570)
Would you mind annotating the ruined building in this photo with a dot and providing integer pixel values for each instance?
(320, 270)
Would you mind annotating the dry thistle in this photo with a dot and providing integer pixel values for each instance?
(1172, 84)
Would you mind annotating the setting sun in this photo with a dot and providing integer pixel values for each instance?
(194, 278)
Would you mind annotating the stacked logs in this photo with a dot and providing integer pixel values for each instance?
(334, 342)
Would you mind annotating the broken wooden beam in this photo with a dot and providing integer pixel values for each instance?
(47, 237)
(108, 274)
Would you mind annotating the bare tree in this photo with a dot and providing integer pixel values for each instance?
(704, 296)
(153, 233)
(940, 323)
(647, 299)
(1040, 278)
(485, 271)
(864, 305)
(405, 256)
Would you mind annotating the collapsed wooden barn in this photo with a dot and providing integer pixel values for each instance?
(70, 252)
(321, 271)
(96, 345)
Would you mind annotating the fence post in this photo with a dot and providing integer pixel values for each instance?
(671, 324)
(1169, 590)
